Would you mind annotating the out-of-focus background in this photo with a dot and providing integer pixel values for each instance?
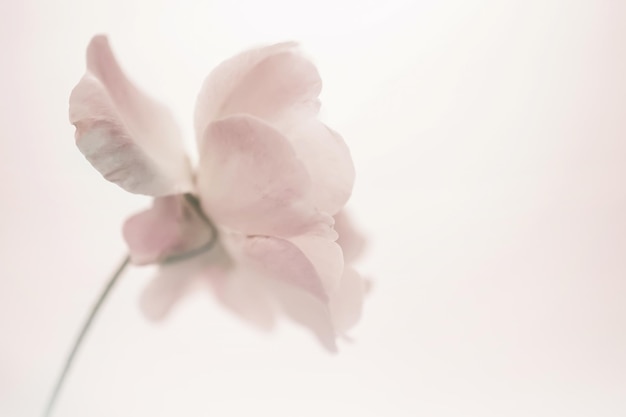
(489, 142)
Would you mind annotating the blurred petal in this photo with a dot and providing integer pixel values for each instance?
(261, 82)
(351, 241)
(170, 227)
(346, 302)
(325, 255)
(276, 259)
(251, 181)
(291, 272)
(132, 140)
(326, 158)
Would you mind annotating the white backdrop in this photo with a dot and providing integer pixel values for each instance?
(489, 143)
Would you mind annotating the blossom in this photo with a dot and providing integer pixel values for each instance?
(267, 193)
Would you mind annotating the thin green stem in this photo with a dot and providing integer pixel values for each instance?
(194, 203)
(81, 336)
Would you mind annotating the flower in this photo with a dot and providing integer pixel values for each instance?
(269, 188)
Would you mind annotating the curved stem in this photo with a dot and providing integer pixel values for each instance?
(195, 205)
(81, 336)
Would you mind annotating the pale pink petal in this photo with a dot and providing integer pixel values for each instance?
(251, 181)
(262, 82)
(256, 298)
(292, 274)
(346, 302)
(132, 140)
(270, 271)
(276, 259)
(325, 255)
(326, 158)
(351, 241)
(169, 228)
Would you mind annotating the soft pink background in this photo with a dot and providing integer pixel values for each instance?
(489, 142)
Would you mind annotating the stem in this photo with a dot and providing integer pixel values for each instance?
(81, 336)
(195, 205)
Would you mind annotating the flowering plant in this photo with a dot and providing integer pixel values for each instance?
(260, 217)
(270, 183)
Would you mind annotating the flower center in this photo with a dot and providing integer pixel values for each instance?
(194, 204)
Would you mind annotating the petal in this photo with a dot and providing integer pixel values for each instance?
(326, 157)
(251, 181)
(309, 312)
(261, 82)
(276, 259)
(169, 228)
(351, 241)
(326, 257)
(132, 140)
(346, 302)
(294, 274)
